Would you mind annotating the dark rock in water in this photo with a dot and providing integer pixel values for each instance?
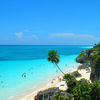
(51, 93)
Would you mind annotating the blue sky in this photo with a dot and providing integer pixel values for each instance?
(49, 22)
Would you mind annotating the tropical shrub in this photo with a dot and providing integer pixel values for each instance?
(95, 93)
(97, 60)
(59, 97)
(76, 74)
(83, 81)
(68, 77)
(62, 95)
(71, 82)
(81, 92)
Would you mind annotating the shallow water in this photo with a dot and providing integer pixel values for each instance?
(32, 61)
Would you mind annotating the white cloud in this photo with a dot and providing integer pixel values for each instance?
(19, 35)
(72, 35)
(61, 34)
(67, 38)
(85, 36)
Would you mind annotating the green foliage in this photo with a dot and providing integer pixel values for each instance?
(76, 74)
(83, 81)
(95, 93)
(90, 50)
(60, 96)
(68, 77)
(81, 54)
(53, 88)
(71, 82)
(53, 57)
(97, 46)
(56, 97)
(92, 53)
(97, 60)
(81, 92)
(92, 58)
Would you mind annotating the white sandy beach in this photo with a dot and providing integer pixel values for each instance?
(55, 82)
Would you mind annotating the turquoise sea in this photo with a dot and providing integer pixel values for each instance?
(31, 60)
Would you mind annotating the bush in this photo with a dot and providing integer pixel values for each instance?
(81, 92)
(68, 77)
(83, 81)
(60, 97)
(76, 74)
(63, 96)
(71, 82)
(95, 93)
(97, 61)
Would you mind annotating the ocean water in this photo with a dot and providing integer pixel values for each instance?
(31, 60)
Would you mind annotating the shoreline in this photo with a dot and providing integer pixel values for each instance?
(29, 94)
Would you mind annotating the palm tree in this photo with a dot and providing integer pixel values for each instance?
(54, 58)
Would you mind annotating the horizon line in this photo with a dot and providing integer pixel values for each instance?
(45, 45)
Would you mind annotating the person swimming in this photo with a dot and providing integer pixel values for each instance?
(24, 75)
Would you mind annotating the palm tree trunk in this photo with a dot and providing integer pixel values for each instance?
(60, 69)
